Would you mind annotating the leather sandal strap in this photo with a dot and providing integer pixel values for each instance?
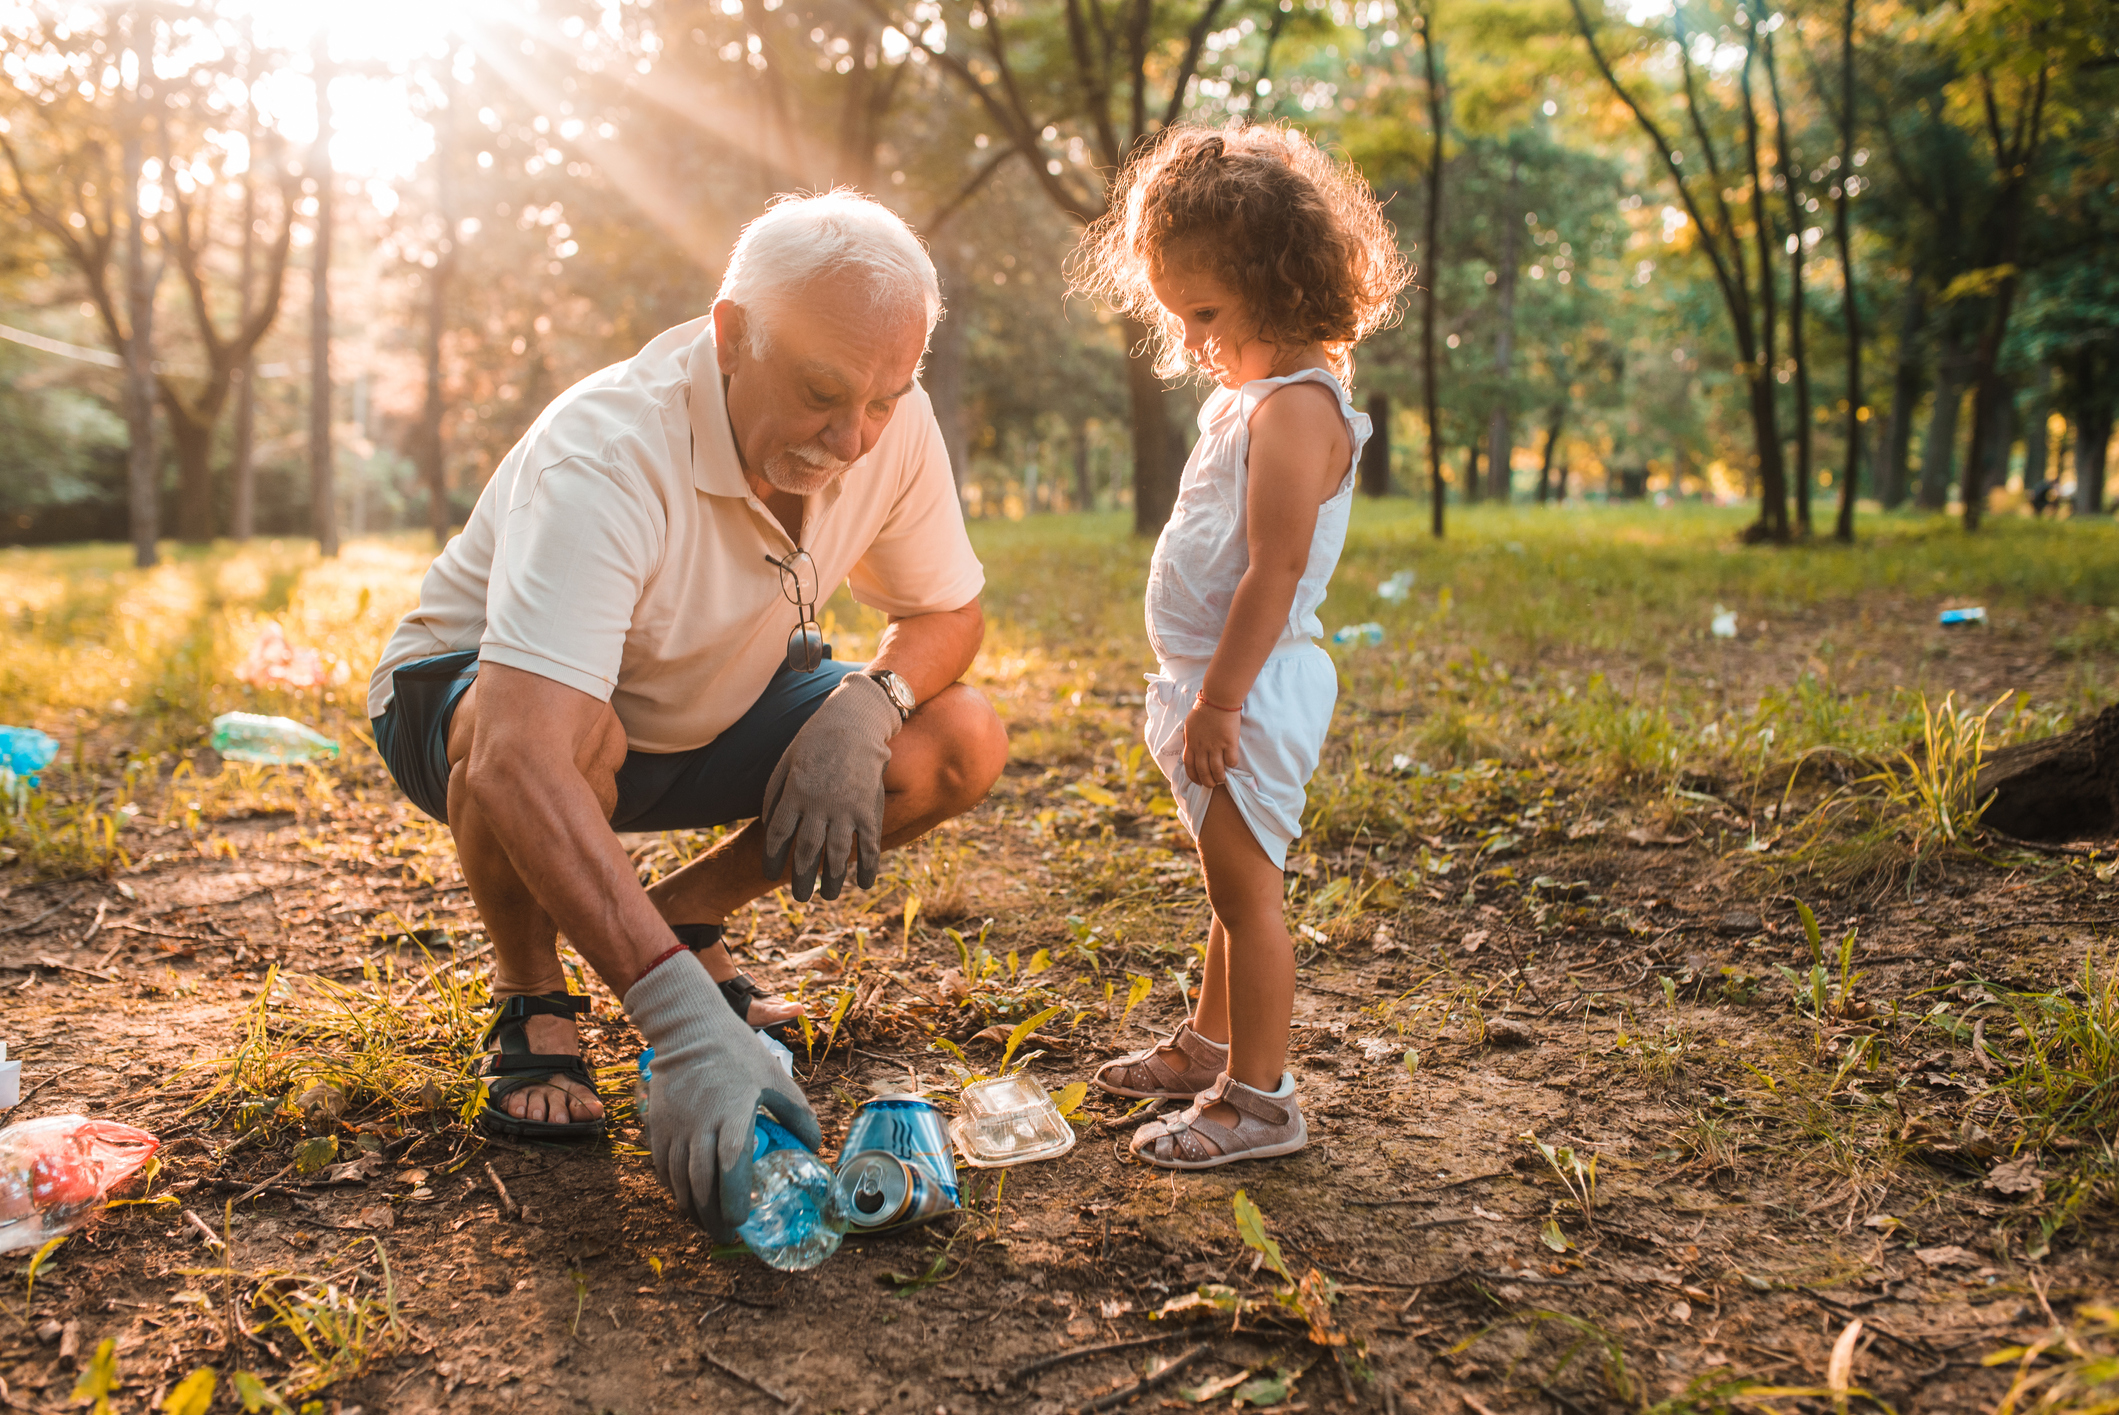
(1214, 1056)
(517, 1008)
(1248, 1100)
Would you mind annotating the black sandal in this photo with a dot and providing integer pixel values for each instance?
(514, 1066)
(737, 991)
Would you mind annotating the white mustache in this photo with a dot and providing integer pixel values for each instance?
(817, 457)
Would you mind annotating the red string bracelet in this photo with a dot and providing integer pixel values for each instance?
(1204, 701)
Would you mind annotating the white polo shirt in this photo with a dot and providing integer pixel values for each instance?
(618, 549)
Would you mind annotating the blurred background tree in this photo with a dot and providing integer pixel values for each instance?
(519, 195)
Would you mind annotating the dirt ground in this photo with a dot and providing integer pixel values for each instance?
(1734, 1234)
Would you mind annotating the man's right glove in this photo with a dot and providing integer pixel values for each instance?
(711, 1074)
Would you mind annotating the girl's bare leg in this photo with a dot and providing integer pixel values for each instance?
(1257, 973)
(1210, 1016)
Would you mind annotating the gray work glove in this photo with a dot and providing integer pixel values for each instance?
(825, 798)
(710, 1076)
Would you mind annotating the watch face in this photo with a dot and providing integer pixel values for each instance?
(899, 690)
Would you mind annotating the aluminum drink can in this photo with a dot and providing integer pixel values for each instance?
(875, 1190)
(910, 1128)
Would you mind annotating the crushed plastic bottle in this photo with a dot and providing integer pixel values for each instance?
(1723, 624)
(794, 1224)
(1959, 618)
(55, 1171)
(1397, 588)
(1370, 633)
(276, 741)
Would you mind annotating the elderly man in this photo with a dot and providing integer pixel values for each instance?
(624, 638)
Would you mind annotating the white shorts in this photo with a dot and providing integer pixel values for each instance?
(1285, 719)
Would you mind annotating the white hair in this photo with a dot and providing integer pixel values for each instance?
(802, 240)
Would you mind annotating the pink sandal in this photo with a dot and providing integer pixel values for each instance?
(1267, 1125)
(1144, 1075)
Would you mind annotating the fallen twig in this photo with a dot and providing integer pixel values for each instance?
(30, 1094)
(213, 1239)
(735, 1375)
(2022, 923)
(31, 923)
(1057, 1358)
(1871, 1323)
(1145, 1383)
(508, 1206)
(96, 926)
(256, 1189)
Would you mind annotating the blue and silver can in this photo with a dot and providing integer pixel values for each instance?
(897, 1166)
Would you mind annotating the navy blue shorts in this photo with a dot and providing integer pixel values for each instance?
(716, 784)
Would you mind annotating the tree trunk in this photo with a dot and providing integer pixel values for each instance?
(142, 470)
(1546, 488)
(1842, 236)
(242, 473)
(1791, 177)
(1158, 448)
(2057, 788)
(943, 376)
(1500, 435)
(429, 454)
(2037, 442)
(1772, 524)
(1892, 483)
(1991, 401)
(2093, 436)
(1376, 453)
(1471, 471)
(323, 508)
(1437, 119)
(1938, 452)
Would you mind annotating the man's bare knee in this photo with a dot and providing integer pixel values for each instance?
(973, 743)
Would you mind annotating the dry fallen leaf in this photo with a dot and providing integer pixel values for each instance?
(1641, 835)
(1681, 1311)
(1947, 1256)
(377, 1218)
(2017, 1176)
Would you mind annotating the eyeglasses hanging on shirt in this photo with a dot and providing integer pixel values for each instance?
(798, 581)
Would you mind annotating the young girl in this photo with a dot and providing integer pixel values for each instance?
(1262, 263)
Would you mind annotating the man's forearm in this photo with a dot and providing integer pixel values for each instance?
(547, 819)
(931, 651)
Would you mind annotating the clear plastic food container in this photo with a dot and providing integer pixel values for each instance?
(1009, 1120)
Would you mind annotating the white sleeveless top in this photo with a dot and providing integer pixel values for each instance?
(1198, 562)
(1204, 550)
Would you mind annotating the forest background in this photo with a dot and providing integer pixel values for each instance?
(1794, 255)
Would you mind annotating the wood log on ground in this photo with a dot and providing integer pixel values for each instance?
(2057, 788)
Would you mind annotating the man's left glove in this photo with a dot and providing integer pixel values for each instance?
(711, 1075)
(825, 798)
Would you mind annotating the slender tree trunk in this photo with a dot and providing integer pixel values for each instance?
(1500, 434)
(323, 508)
(430, 455)
(142, 468)
(1765, 414)
(1376, 453)
(1546, 489)
(2037, 441)
(1991, 400)
(943, 376)
(1843, 237)
(1437, 115)
(2093, 438)
(1471, 469)
(1791, 189)
(1158, 450)
(242, 472)
(1938, 451)
(1893, 483)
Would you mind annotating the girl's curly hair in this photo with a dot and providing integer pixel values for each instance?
(1297, 236)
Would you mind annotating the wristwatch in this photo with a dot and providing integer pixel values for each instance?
(896, 689)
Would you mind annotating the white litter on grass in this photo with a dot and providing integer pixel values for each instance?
(1724, 623)
(1375, 1049)
(1397, 587)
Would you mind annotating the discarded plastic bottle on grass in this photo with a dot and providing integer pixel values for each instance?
(54, 1171)
(275, 741)
(794, 1224)
(1370, 634)
(25, 751)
